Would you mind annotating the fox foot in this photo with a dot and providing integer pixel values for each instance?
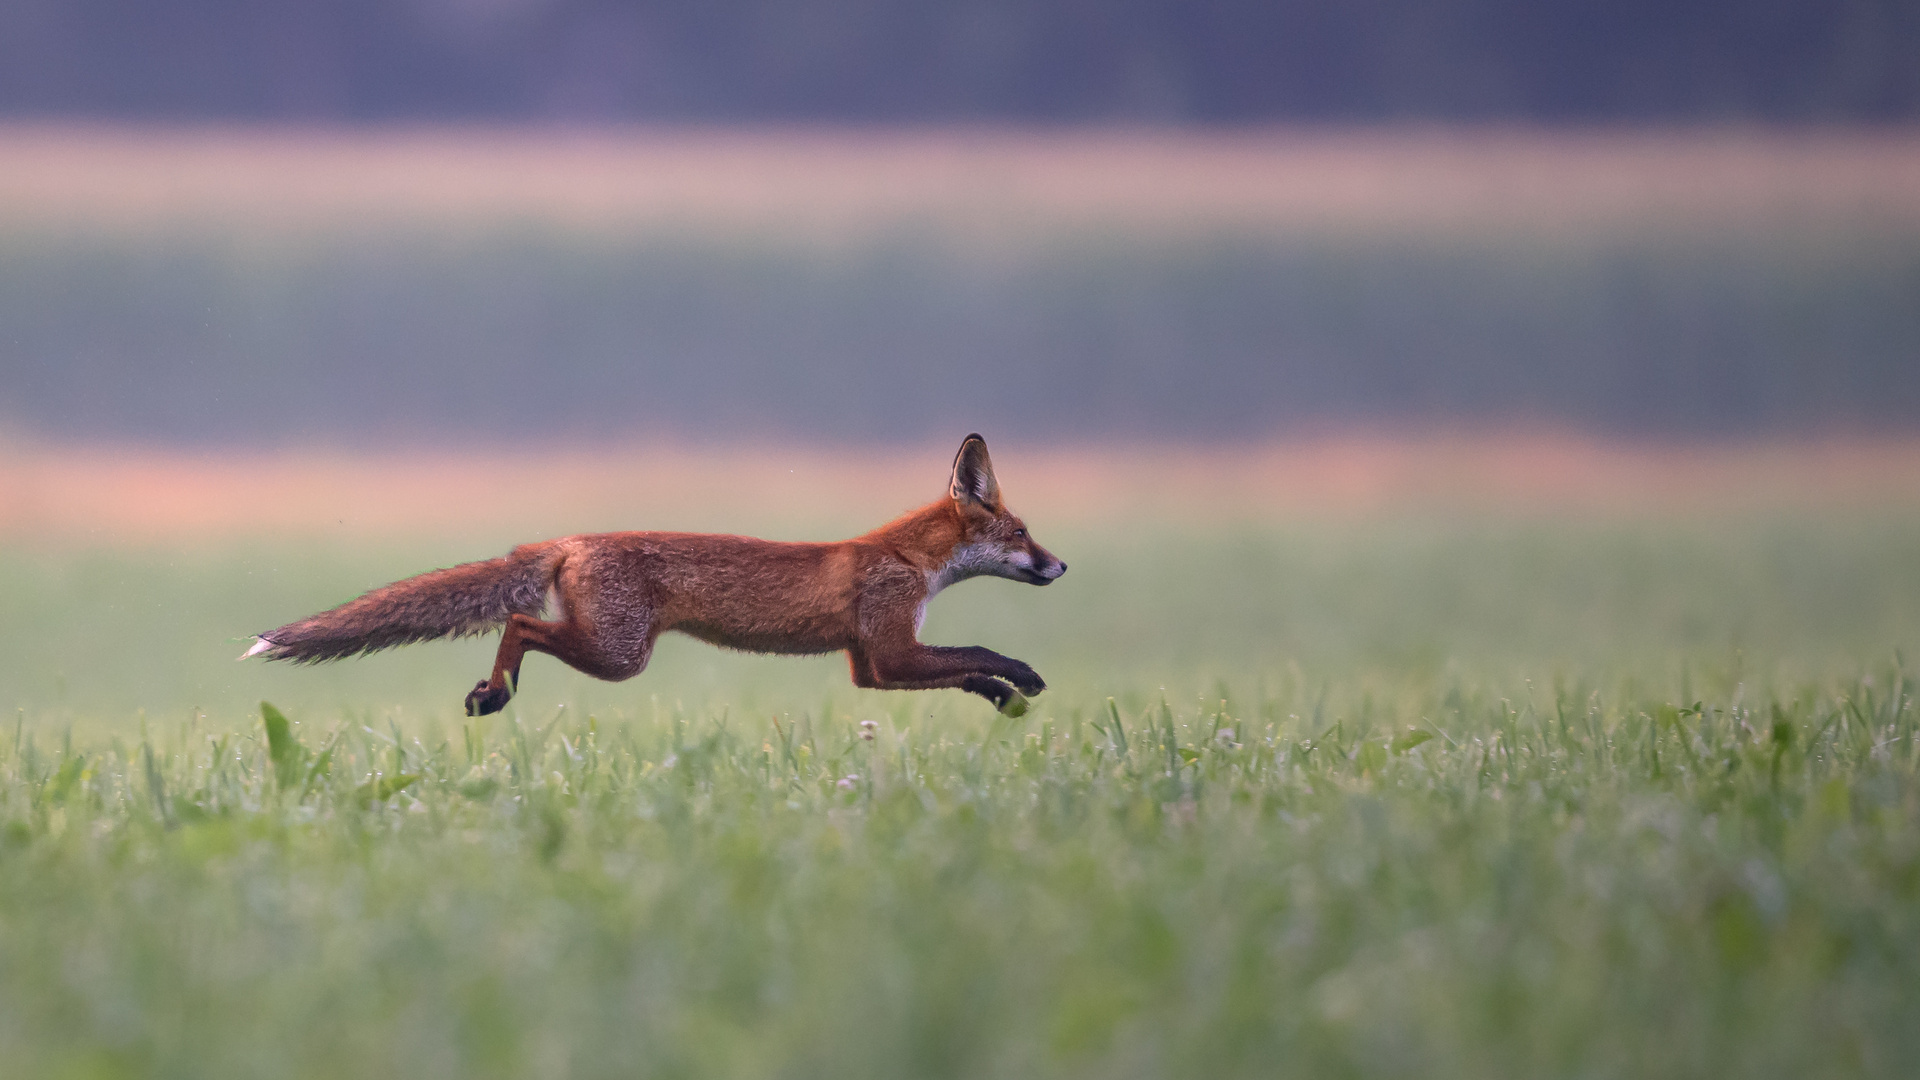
(1026, 679)
(993, 690)
(487, 698)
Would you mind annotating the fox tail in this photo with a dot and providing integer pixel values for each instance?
(460, 601)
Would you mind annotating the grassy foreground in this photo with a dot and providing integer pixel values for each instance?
(1573, 886)
(1457, 799)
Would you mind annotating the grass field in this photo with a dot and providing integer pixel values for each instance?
(1330, 786)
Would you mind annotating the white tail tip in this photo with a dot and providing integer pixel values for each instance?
(258, 647)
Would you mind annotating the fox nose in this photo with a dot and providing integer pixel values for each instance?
(1059, 568)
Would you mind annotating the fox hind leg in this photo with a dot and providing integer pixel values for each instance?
(613, 656)
(485, 698)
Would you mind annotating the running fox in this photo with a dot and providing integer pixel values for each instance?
(613, 594)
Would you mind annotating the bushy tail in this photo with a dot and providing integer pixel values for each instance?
(461, 601)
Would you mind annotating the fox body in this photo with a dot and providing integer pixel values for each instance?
(611, 595)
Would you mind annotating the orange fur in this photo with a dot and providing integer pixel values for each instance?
(618, 592)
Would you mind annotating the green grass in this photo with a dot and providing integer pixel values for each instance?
(1421, 797)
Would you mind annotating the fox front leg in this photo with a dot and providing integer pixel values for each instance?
(1000, 679)
(1005, 698)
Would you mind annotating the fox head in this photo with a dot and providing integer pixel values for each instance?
(994, 542)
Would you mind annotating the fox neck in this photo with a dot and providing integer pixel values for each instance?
(933, 539)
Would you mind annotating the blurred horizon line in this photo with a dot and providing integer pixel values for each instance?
(857, 179)
(265, 287)
(17, 442)
(96, 494)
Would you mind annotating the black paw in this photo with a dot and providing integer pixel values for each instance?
(1027, 679)
(487, 698)
(988, 687)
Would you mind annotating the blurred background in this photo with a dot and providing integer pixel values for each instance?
(413, 221)
(299, 297)
(915, 61)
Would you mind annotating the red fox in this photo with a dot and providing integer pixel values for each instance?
(613, 594)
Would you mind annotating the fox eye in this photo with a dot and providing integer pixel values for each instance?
(1021, 533)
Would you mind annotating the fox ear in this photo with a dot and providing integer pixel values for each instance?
(973, 482)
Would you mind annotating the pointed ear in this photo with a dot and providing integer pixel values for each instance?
(973, 483)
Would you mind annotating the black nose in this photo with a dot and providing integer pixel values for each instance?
(1063, 568)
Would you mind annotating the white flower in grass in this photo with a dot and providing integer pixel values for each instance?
(847, 781)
